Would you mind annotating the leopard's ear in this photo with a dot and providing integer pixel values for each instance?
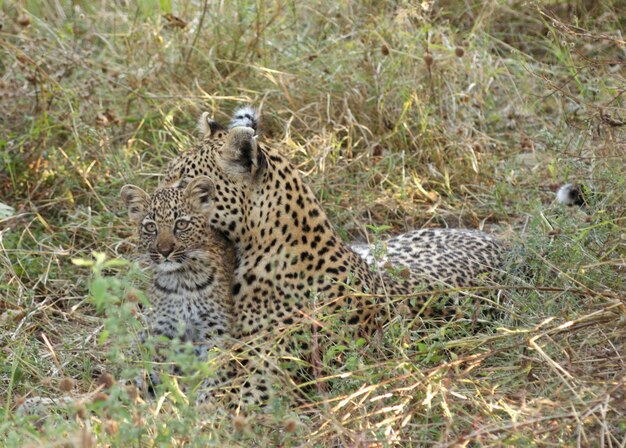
(241, 154)
(200, 192)
(208, 127)
(137, 202)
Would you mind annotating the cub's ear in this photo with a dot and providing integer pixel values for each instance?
(209, 127)
(200, 192)
(241, 154)
(136, 200)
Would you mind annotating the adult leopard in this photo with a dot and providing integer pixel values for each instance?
(291, 264)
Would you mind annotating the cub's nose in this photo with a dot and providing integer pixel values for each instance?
(165, 247)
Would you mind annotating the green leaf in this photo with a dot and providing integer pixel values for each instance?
(103, 337)
(100, 257)
(166, 6)
(115, 262)
(99, 291)
(82, 262)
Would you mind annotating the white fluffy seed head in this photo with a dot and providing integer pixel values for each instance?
(570, 194)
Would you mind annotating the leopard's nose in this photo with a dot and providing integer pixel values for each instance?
(165, 247)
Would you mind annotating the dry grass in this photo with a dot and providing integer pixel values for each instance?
(440, 114)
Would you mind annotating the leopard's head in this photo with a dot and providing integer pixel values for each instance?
(172, 224)
(235, 165)
(255, 190)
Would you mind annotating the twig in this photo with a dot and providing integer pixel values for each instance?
(200, 24)
(52, 352)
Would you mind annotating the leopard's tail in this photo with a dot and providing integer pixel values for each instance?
(245, 116)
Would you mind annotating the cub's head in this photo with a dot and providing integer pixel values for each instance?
(172, 224)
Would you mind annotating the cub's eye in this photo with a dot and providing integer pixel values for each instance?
(149, 227)
(181, 224)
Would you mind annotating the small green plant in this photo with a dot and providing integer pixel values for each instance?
(379, 250)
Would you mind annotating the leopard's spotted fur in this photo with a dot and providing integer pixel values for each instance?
(291, 264)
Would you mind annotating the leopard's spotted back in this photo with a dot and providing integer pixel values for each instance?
(447, 257)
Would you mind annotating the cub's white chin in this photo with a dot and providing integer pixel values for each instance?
(168, 266)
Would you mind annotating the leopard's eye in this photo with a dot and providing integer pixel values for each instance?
(181, 224)
(149, 227)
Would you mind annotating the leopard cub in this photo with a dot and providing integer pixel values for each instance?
(192, 268)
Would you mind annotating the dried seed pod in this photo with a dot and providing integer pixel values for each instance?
(66, 384)
(81, 411)
(133, 392)
(23, 20)
(239, 423)
(291, 425)
(111, 427)
(106, 379)
(100, 396)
